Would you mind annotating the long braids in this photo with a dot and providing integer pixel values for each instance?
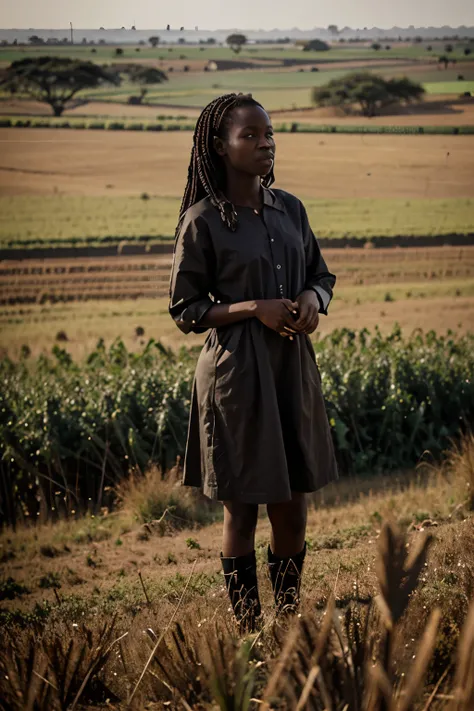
(206, 172)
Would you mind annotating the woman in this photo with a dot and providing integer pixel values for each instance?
(247, 266)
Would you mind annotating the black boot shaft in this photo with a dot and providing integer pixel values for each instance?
(285, 574)
(240, 574)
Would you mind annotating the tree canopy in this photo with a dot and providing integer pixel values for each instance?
(316, 45)
(369, 91)
(54, 80)
(143, 74)
(236, 42)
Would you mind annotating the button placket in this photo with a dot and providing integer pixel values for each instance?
(276, 267)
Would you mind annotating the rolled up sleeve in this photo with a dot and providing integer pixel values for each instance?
(318, 277)
(192, 273)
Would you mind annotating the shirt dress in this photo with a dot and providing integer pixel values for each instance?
(258, 428)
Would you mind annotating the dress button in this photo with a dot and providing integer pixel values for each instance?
(194, 321)
(256, 212)
(278, 266)
(272, 240)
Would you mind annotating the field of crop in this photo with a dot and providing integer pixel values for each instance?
(279, 53)
(25, 221)
(278, 89)
(273, 81)
(453, 87)
(144, 554)
(91, 298)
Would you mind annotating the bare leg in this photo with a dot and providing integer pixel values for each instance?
(240, 522)
(288, 522)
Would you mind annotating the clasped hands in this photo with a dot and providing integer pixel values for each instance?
(290, 318)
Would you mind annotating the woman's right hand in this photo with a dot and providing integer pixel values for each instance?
(277, 314)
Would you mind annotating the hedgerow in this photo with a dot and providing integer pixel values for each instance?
(70, 431)
(279, 128)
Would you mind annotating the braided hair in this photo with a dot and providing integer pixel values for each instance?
(206, 172)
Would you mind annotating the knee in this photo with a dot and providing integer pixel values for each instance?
(289, 518)
(296, 523)
(244, 521)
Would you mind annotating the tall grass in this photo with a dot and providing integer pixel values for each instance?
(161, 503)
(342, 660)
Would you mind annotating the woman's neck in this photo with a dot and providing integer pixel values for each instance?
(244, 190)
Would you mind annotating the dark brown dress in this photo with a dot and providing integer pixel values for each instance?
(258, 428)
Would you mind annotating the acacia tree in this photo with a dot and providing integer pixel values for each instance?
(154, 41)
(54, 80)
(144, 76)
(370, 91)
(236, 42)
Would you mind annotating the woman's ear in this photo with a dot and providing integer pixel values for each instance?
(219, 146)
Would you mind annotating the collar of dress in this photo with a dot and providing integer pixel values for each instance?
(272, 200)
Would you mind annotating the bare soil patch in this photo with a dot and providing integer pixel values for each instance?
(36, 161)
(96, 109)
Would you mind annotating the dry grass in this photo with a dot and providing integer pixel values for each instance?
(39, 162)
(172, 644)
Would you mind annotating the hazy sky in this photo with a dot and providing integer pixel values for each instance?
(245, 14)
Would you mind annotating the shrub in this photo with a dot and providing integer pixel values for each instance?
(116, 125)
(97, 125)
(154, 127)
(162, 503)
(316, 45)
(134, 127)
(5, 123)
(43, 124)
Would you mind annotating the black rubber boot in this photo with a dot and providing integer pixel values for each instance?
(285, 574)
(240, 576)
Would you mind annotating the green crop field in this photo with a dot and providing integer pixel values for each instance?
(276, 90)
(27, 220)
(450, 87)
(255, 52)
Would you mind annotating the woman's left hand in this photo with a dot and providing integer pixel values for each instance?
(308, 318)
